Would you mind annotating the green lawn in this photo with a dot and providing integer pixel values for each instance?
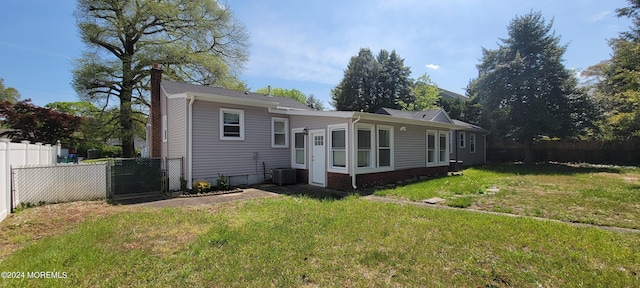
(607, 196)
(293, 242)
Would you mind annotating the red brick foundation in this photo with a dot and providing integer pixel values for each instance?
(302, 176)
(342, 182)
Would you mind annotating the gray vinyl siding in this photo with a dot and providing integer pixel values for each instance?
(464, 154)
(410, 147)
(177, 128)
(442, 117)
(212, 156)
(313, 123)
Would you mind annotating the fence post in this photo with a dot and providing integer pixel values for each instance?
(108, 177)
(26, 151)
(5, 184)
(40, 160)
(48, 150)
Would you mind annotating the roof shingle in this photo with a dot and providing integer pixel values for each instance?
(173, 87)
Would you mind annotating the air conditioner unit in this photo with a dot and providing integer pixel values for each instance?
(284, 176)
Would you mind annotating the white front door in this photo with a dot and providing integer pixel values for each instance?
(318, 159)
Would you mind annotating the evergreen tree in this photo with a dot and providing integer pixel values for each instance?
(314, 103)
(394, 84)
(617, 90)
(370, 83)
(357, 90)
(525, 90)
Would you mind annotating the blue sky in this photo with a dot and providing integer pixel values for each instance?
(306, 45)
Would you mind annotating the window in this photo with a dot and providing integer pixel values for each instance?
(298, 158)
(364, 142)
(444, 154)
(431, 147)
(338, 140)
(279, 132)
(231, 124)
(452, 140)
(385, 140)
(462, 139)
(165, 135)
(472, 143)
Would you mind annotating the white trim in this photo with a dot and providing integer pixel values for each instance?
(224, 99)
(391, 147)
(190, 143)
(273, 132)
(330, 167)
(462, 140)
(241, 123)
(435, 148)
(370, 117)
(445, 161)
(165, 132)
(372, 130)
(310, 154)
(293, 149)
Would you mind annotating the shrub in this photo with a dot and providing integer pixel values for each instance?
(202, 186)
(222, 183)
(111, 151)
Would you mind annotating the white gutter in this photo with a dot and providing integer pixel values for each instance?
(190, 141)
(353, 153)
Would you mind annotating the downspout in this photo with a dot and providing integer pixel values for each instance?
(353, 153)
(190, 142)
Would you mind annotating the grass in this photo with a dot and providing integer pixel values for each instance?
(298, 241)
(97, 160)
(608, 196)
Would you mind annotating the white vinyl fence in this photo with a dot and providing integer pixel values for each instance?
(18, 154)
(61, 183)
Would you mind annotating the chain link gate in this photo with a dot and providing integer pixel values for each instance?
(174, 174)
(139, 177)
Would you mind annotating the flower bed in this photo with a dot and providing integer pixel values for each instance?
(186, 194)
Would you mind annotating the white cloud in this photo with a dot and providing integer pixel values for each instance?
(600, 16)
(432, 66)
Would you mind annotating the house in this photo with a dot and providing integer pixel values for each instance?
(244, 135)
(467, 143)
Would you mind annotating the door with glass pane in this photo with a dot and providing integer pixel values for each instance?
(318, 159)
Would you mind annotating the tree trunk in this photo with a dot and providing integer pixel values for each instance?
(528, 151)
(126, 122)
(126, 125)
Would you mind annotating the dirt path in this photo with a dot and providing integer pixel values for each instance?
(407, 202)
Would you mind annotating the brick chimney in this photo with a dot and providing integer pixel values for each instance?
(156, 113)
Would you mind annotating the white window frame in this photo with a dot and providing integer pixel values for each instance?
(330, 167)
(294, 149)
(462, 139)
(444, 161)
(472, 143)
(452, 142)
(273, 132)
(165, 133)
(242, 124)
(435, 148)
(372, 148)
(391, 147)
